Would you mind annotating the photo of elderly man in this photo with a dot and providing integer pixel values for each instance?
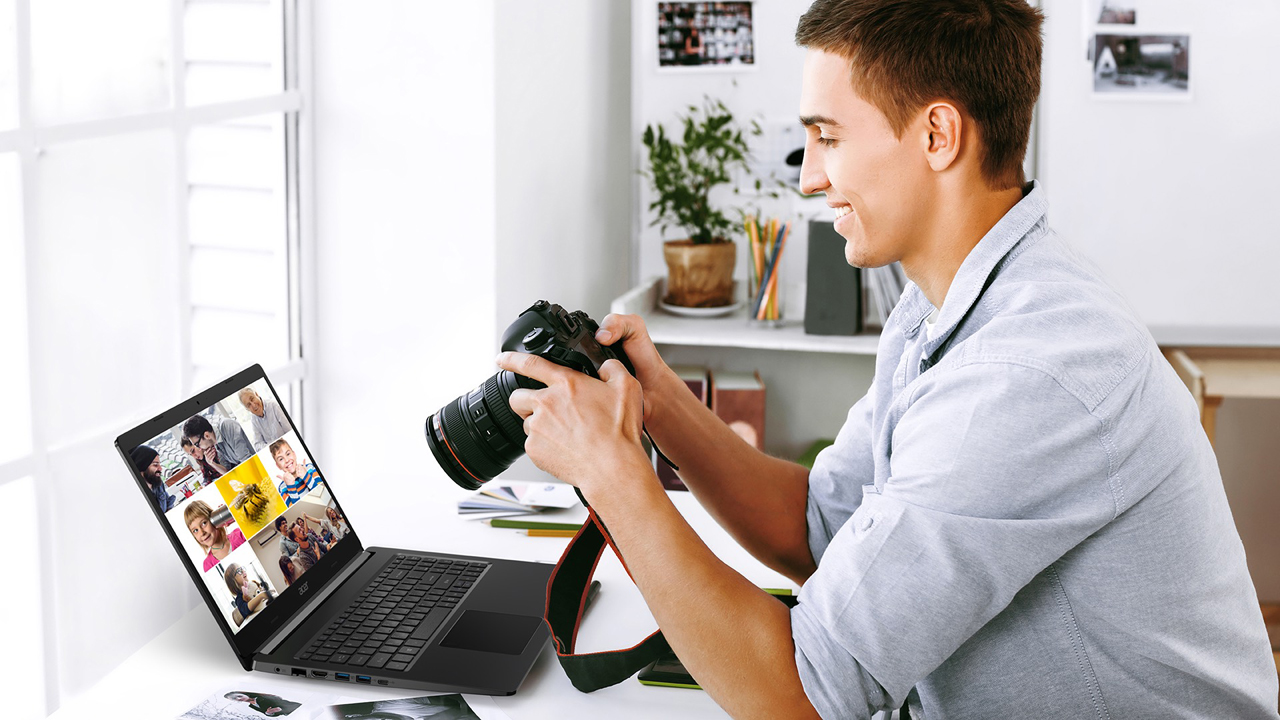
(266, 418)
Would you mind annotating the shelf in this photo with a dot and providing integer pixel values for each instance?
(732, 330)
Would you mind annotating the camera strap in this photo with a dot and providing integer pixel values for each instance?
(566, 600)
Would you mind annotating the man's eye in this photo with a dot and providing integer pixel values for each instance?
(829, 142)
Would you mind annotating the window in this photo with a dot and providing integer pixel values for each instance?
(149, 246)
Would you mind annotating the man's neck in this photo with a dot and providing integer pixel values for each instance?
(955, 229)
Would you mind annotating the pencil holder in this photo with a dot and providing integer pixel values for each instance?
(768, 240)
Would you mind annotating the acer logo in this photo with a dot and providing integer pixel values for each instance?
(303, 589)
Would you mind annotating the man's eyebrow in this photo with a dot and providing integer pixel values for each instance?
(810, 120)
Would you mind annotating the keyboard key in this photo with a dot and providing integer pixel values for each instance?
(397, 666)
(341, 659)
(415, 643)
(379, 659)
(360, 660)
(430, 623)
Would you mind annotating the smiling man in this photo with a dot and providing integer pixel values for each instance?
(1022, 518)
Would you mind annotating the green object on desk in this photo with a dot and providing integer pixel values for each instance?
(656, 683)
(806, 459)
(533, 524)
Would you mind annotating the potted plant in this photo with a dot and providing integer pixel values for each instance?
(683, 172)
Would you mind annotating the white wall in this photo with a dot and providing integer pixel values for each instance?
(564, 171)
(404, 224)
(1168, 197)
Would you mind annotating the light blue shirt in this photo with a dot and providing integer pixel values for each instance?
(1032, 527)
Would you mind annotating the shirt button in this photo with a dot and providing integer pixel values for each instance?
(865, 522)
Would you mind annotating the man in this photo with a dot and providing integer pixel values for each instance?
(266, 417)
(147, 462)
(1022, 518)
(228, 446)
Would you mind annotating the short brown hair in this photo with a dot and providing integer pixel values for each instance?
(983, 55)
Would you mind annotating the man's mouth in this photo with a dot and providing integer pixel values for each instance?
(843, 210)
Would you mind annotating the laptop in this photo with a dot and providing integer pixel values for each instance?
(257, 526)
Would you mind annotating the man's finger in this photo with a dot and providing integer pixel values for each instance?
(612, 369)
(532, 366)
(522, 402)
(616, 327)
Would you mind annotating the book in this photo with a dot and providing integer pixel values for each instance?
(695, 378)
(495, 499)
(738, 399)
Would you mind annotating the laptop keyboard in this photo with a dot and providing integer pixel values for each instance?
(388, 626)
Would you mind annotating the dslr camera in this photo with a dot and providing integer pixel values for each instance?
(478, 436)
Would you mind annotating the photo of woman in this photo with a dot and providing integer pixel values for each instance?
(212, 538)
(337, 524)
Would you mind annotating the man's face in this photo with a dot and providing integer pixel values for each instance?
(253, 404)
(154, 471)
(207, 440)
(873, 180)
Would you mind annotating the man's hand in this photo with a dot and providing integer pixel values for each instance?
(629, 330)
(580, 429)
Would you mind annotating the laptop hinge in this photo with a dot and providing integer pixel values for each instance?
(306, 610)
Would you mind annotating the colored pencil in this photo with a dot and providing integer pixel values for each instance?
(534, 532)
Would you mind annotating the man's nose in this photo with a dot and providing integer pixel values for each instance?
(813, 177)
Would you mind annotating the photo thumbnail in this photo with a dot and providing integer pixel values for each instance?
(251, 496)
(257, 409)
(170, 470)
(297, 539)
(293, 472)
(240, 586)
(220, 437)
(206, 528)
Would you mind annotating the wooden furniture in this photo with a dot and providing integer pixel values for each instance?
(1215, 373)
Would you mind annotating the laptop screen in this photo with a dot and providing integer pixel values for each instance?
(247, 505)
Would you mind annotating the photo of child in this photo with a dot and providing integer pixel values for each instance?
(251, 496)
(206, 528)
(298, 538)
(240, 586)
(295, 475)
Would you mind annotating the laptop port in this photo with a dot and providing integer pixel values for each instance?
(363, 679)
(299, 672)
(341, 676)
(383, 682)
(319, 673)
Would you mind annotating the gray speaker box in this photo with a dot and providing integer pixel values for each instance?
(833, 298)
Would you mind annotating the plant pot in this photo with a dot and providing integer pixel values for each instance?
(699, 275)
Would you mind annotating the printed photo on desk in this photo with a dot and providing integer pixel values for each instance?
(436, 707)
(243, 498)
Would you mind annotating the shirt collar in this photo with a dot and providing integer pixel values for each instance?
(972, 276)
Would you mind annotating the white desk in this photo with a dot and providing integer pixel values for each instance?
(190, 659)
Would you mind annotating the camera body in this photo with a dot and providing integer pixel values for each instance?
(478, 436)
(565, 338)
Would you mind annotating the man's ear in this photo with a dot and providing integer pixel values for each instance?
(944, 127)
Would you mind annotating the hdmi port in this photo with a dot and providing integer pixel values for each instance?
(319, 673)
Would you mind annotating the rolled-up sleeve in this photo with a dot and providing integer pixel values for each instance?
(995, 472)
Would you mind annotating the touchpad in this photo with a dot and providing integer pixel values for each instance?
(492, 632)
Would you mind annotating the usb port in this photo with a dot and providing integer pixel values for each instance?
(319, 673)
(363, 679)
(299, 672)
(341, 676)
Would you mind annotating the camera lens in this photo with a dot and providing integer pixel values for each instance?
(477, 436)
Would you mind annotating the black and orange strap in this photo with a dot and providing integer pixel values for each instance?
(566, 600)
